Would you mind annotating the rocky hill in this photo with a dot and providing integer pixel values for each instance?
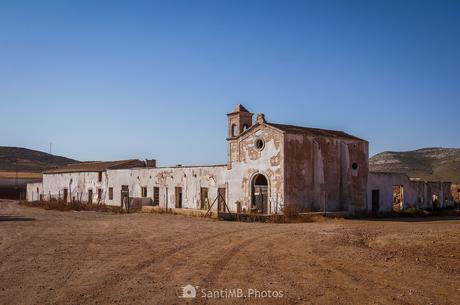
(28, 160)
(434, 163)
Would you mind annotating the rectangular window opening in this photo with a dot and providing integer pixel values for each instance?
(110, 193)
(156, 195)
(144, 191)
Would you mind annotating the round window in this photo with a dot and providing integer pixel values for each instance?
(259, 144)
(354, 166)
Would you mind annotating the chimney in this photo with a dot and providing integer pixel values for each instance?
(150, 163)
(260, 119)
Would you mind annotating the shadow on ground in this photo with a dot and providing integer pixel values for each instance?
(15, 218)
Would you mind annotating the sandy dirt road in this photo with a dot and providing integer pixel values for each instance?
(52, 257)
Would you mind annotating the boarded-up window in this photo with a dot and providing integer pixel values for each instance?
(156, 195)
(144, 191)
(110, 193)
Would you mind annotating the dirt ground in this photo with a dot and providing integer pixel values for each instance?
(52, 257)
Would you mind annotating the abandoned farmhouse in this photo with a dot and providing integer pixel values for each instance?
(269, 167)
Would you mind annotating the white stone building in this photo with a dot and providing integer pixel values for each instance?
(269, 167)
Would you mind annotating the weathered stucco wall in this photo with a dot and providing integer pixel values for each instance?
(237, 181)
(416, 193)
(439, 193)
(319, 175)
(413, 191)
(250, 161)
(33, 191)
(190, 179)
(77, 184)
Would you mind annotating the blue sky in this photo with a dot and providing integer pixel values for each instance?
(106, 80)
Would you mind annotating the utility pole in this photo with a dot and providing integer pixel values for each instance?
(16, 178)
(16, 170)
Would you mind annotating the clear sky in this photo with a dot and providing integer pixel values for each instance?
(105, 80)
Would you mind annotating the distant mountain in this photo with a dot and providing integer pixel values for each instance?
(434, 163)
(28, 160)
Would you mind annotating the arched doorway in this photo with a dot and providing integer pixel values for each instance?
(259, 194)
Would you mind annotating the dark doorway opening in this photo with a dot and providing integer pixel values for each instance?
(178, 197)
(124, 198)
(65, 194)
(259, 194)
(221, 199)
(204, 198)
(375, 201)
(90, 196)
(435, 200)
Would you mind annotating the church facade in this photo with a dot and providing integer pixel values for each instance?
(269, 168)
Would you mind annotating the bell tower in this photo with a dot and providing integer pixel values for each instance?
(238, 120)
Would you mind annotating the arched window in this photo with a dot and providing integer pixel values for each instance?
(245, 126)
(233, 130)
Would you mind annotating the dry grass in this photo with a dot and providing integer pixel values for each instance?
(72, 206)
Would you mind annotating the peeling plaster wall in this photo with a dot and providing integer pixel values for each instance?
(33, 191)
(413, 191)
(248, 161)
(78, 184)
(191, 179)
(442, 190)
(416, 193)
(319, 176)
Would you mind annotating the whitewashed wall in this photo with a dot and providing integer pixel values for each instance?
(191, 179)
(34, 190)
(78, 185)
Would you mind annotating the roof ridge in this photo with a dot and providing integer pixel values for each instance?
(328, 132)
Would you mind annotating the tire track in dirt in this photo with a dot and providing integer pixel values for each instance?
(218, 267)
(213, 256)
(131, 274)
